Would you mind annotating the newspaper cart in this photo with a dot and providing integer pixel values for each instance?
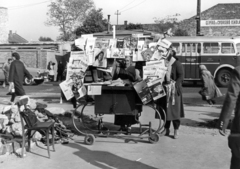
(116, 100)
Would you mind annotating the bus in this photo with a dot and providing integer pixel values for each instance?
(218, 54)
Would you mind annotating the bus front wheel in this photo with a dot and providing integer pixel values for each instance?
(223, 77)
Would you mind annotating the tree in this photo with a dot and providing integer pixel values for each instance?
(45, 39)
(180, 32)
(134, 26)
(67, 14)
(94, 22)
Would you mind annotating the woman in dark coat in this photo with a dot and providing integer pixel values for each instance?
(17, 73)
(209, 90)
(173, 105)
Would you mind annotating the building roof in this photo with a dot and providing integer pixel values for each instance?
(120, 33)
(221, 11)
(15, 38)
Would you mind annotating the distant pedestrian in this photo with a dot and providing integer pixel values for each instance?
(51, 73)
(60, 71)
(17, 73)
(5, 68)
(209, 90)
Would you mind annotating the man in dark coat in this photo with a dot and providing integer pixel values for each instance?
(232, 100)
(128, 74)
(17, 73)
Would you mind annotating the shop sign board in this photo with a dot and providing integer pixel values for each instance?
(225, 22)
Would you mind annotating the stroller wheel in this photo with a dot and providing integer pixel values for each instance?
(89, 139)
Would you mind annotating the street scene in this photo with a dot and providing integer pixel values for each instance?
(119, 84)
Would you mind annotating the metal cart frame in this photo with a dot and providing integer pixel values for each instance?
(117, 100)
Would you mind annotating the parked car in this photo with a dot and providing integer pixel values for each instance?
(35, 72)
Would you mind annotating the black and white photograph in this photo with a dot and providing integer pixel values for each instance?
(119, 84)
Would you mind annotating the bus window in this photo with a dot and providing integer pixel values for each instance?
(227, 48)
(210, 47)
(238, 47)
(191, 48)
(176, 47)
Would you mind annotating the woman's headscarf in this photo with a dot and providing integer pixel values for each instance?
(205, 71)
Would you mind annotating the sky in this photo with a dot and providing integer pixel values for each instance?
(27, 17)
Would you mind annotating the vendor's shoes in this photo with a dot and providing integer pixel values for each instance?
(176, 134)
(129, 130)
(167, 132)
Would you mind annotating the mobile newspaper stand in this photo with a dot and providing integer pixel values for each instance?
(114, 100)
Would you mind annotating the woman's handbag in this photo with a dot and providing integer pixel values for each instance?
(203, 93)
(11, 88)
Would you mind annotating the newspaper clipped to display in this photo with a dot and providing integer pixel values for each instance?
(156, 89)
(78, 64)
(90, 46)
(154, 71)
(66, 87)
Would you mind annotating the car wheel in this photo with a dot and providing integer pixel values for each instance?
(223, 77)
(27, 81)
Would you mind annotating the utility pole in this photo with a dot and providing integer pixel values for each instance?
(198, 18)
(108, 24)
(117, 13)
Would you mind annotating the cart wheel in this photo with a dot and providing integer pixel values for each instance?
(153, 138)
(89, 139)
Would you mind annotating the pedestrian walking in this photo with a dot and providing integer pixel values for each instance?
(232, 101)
(172, 103)
(60, 71)
(51, 73)
(17, 73)
(5, 69)
(209, 90)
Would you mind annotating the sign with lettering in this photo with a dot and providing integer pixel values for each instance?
(226, 22)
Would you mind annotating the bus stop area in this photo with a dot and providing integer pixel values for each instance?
(199, 146)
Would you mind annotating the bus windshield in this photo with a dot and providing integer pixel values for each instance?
(238, 47)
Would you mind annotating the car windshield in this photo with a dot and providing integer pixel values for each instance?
(238, 47)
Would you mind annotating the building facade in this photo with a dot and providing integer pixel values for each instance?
(219, 20)
(3, 25)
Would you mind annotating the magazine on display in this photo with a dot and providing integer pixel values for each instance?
(117, 53)
(90, 46)
(143, 91)
(112, 43)
(100, 58)
(153, 71)
(164, 43)
(156, 89)
(80, 43)
(66, 87)
(78, 64)
(120, 43)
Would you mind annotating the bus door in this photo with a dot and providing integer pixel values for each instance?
(191, 60)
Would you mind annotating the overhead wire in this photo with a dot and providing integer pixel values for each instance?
(133, 6)
(28, 5)
(127, 5)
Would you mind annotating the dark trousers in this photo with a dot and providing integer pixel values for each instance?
(234, 145)
(176, 124)
(13, 97)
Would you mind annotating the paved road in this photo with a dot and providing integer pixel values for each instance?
(198, 147)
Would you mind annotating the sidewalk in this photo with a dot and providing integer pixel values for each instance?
(198, 147)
